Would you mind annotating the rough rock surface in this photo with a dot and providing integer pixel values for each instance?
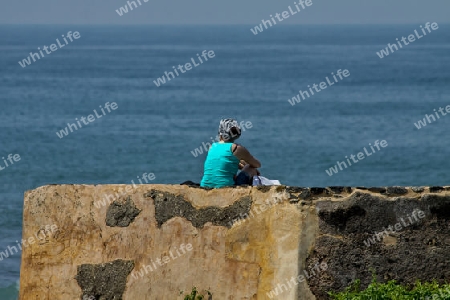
(121, 214)
(418, 250)
(104, 281)
(168, 206)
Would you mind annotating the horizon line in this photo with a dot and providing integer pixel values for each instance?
(215, 24)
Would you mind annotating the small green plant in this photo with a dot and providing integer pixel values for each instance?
(195, 296)
(393, 291)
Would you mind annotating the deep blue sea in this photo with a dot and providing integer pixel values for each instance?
(154, 129)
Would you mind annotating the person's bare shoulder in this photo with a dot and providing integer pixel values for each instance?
(243, 154)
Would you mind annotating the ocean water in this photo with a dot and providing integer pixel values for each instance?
(154, 129)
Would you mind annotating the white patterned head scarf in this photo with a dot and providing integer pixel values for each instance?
(229, 130)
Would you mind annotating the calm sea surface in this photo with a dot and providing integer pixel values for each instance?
(154, 129)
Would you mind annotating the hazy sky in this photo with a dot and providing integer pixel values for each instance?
(223, 12)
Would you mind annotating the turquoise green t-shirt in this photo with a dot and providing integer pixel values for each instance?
(220, 166)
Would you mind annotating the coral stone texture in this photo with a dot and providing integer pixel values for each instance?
(156, 242)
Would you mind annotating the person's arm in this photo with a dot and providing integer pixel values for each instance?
(243, 154)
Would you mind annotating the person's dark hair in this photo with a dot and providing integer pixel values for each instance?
(229, 130)
(235, 132)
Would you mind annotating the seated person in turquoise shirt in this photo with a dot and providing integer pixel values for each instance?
(225, 158)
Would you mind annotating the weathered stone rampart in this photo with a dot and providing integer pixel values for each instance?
(158, 241)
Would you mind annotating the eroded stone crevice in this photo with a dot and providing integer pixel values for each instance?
(168, 206)
(438, 206)
(341, 215)
(104, 281)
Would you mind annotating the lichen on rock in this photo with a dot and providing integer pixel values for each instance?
(104, 281)
(168, 206)
(121, 214)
